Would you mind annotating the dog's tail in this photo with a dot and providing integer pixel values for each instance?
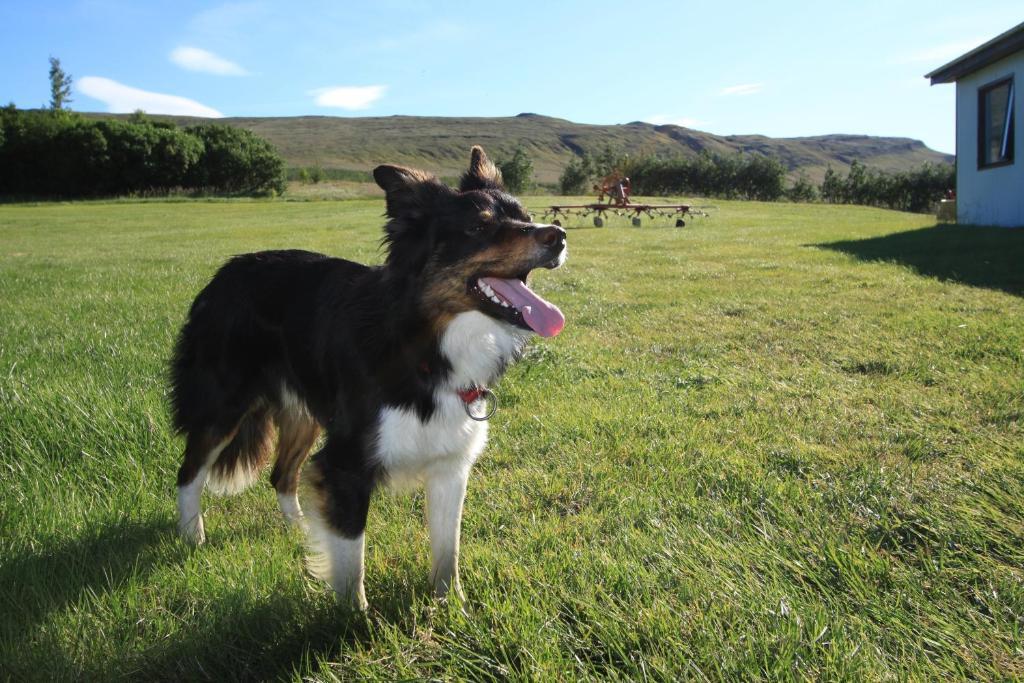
(242, 460)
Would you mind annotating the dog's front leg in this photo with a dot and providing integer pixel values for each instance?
(445, 493)
(337, 501)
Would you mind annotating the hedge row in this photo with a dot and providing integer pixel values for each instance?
(759, 177)
(741, 176)
(915, 190)
(61, 154)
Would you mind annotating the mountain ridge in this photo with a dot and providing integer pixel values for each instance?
(441, 144)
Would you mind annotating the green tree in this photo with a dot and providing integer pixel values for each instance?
(60, 86)
(857, 183)
(236, 161)
(517, 172)
(802, 190)
(576, 175)
(832, 187)
(607, 162)
(43, 155)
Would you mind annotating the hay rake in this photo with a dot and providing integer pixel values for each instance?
(617, 189)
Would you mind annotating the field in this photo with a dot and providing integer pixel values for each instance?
(782, 443)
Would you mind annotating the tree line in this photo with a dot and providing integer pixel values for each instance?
(760, 177)
(915, 190)
(57, 153)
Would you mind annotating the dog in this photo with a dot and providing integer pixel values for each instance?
(391, 364)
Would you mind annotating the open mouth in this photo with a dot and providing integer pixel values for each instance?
(512, 300)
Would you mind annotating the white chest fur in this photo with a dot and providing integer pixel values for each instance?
(409, 449)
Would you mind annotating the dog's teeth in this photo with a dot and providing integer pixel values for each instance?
(504, 304)
(495, 299)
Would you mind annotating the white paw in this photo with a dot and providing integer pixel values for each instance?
(290, 509)
(191, 529)
(355, 596)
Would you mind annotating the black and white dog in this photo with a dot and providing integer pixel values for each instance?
(391, 363)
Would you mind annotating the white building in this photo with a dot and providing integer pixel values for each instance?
(989, 157)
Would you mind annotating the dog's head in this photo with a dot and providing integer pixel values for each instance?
(470, 249)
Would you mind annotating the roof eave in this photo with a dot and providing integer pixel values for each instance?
(999, 47)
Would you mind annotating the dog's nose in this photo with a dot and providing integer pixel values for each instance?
(550, 236)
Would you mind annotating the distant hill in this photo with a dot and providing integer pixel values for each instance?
(441, 144)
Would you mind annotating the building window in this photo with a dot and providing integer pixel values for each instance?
(995, 124)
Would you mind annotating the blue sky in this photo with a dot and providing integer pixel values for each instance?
(774, 68)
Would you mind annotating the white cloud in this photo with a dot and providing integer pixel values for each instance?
(939, 54)
(743, 89)
(665, 119)
(121, 98)
(350, 97)
(196, 59)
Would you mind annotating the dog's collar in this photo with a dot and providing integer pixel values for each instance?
(470, 396)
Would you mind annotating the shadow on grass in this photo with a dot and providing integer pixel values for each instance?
(103, 557)
(244, 636)
(59, 575)
(250, 636)
(981, 257)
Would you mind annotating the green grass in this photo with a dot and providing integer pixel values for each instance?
(782, 443)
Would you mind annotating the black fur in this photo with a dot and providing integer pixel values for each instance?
(343, 337)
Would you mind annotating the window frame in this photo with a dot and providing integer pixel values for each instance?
(1009, 135)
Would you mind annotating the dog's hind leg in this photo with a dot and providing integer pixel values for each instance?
(242, 460)
(446, 491)
(297, 432)
(201, 451)
(336, 501)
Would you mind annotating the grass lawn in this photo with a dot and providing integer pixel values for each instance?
(784, 442)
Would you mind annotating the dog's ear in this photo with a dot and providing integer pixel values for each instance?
(482, 173)
(410, 193)
(412, 197)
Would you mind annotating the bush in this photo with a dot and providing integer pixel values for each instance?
(760, 177)
(576, 176)
(915, 190)
(608, 162)
(143, 157)
(802, 190)
(832, 187)
(517, 172)
(61, 154)
(236, 161)
(741, 176)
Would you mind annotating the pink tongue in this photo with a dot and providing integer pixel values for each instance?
(542, 316)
